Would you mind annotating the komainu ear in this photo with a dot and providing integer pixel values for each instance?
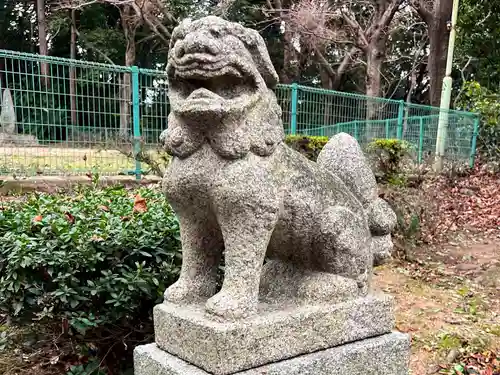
(257, 47)
(265, 126)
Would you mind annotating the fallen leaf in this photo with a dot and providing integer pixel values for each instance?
(70, 217)
(65, 325)
(38, 218)
(140, 204)
(104, 208)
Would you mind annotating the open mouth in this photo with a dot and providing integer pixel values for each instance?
(209, 81)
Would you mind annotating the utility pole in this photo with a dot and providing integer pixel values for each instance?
(446, 94)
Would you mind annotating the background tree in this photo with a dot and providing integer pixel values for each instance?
(437, 15)
(478, 42)
(43, 47)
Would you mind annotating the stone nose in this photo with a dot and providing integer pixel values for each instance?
(198, 43)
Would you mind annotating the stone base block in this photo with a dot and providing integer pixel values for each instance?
(274, 334)
(384, 355)
(18, 140)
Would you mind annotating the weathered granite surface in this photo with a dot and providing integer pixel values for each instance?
(383, 355)
(236, 187)
(277, 332)
(345, 159)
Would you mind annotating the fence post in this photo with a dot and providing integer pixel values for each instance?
(421, 140)
(136, 119)
(356, 132)
(387, 124)
(293, 120)
(474, 142)
(401, 111)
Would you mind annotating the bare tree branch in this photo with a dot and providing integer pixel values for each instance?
(222, 7)
(346, 62)
(152, 22)
(464, 80)
(381, 25)
(336, 74)
(148, 12)
(362, 41)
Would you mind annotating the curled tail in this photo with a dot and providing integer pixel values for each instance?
(343, 157)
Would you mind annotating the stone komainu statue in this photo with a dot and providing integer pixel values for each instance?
(239, 190)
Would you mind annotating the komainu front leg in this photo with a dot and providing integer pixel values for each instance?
(201, 253)
(247, 211)
(246, 237)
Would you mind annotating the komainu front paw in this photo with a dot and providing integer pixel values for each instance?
(186, 290)
(231, 305)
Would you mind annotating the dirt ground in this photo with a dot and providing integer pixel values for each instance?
(449, 302)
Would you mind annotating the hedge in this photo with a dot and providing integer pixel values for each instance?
(91, 258)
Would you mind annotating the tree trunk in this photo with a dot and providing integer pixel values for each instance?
(42, 40)
(291, 64)
(437, 62)
(328, 109)
(72, 70)
(290, 71)
(374, 61)
(439, 35)
(126, 86)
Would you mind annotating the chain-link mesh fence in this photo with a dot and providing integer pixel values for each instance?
(72, 117)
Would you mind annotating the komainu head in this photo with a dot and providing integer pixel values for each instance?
(217, 67)
(221, 83)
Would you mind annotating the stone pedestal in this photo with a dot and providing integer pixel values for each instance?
(382, 355)
(353, 337)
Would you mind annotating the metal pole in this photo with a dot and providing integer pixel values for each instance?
(474, 141)
(293, 121)
(136, 119)
(446, 94)
(420, 140)
(401, 110)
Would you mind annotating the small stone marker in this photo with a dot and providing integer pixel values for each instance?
(7, 114)
(237, 187)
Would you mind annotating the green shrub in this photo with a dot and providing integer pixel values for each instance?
(94, 258)
(388, 155)
(91, 368)
(476, 98)
(307, 145)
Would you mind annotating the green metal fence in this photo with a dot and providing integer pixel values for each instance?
(90, 116)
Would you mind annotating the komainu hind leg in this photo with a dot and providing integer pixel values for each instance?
(284, 282)
(345, 246)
